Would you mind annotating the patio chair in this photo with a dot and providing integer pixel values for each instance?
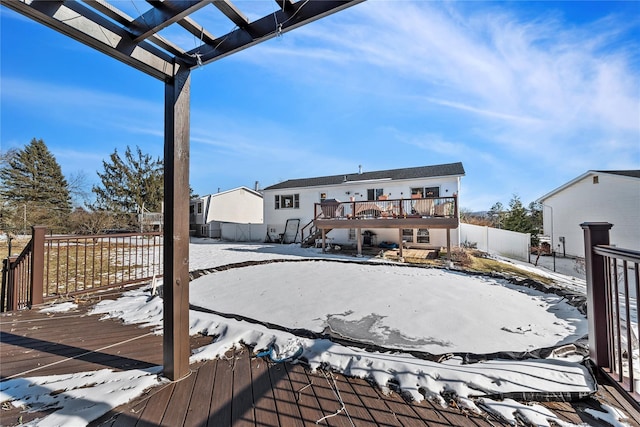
(423, 207)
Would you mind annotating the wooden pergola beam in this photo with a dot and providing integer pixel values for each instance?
(231, 12)
(81, 23)
(125, 20)
(102, 26)
(163, 14)
(270, 26)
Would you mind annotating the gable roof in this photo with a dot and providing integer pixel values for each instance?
(629, 173)
(242, 187)
(633, 173)
(449, 169)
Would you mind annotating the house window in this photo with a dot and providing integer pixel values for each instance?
(410, 235)
(352, 234)
(288, 201)
(374, 193)
(199, 208)
(431, 192)
(426, 191)
(423, 236)
(192, 209)
(595, 179)
(323, 197)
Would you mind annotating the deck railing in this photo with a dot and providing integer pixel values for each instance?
(63, 266)
(429, 207)
(613, 287)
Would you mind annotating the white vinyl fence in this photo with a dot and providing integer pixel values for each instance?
(243, 232)
(507, 243)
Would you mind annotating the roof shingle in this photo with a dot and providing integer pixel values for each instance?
(449, 169)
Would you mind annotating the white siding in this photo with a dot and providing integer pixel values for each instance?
(614, 199)
(277, 218)
(239, 205)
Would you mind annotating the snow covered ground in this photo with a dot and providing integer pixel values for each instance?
(404, 308)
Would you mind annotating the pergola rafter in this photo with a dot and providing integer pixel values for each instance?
(135, 41)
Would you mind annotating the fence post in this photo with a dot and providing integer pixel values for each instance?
(596, 233)
(37, 265)
(13, 281)
(4, 292)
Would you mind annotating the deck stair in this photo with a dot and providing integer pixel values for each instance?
(315, 234)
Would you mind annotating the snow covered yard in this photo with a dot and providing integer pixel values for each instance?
(444, 313)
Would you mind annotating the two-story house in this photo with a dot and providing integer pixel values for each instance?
(595, 196)
(409, 207)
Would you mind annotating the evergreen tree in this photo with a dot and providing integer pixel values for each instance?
(34, 190)
(519, 219)
(130, 184)
(516, 217)
(496, 214)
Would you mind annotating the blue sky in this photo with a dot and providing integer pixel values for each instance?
(527, 95)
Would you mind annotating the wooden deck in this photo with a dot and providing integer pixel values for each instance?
(238, 390)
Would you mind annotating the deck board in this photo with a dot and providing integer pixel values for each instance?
(154, 410)
(304, 396)
(238, 390)
(377, 407)
(328, 401)
(198, 408)
(356, 409)
(176, 409)
(288, 411)
(220, 409)
(242, 413)
(265, 410)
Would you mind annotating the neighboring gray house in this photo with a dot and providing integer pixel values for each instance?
(595, 196)
(240, 205)
(416, 206)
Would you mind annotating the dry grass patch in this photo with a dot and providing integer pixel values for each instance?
(17, 245)
(480, 262)
(472, 260)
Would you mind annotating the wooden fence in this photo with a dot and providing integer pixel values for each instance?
(52, 267)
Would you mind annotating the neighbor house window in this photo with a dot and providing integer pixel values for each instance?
(374, 193)
(323, 197)
(407, 235)
(199, 208)
(595, 179)
(192, 209)
(288, 201)
(352, 234)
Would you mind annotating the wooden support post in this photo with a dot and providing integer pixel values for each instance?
(359, 240)
(176, 232)
(324, 239)
(400, 246)
(596, 233)
(449, 245)
(36, 291)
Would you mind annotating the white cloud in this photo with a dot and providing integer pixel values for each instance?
(528, 84)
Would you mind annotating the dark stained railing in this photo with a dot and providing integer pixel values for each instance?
(430, 207)
(613, 287)
(62, 266)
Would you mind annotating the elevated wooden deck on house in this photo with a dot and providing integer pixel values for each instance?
(431, 212)
(238, 390)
